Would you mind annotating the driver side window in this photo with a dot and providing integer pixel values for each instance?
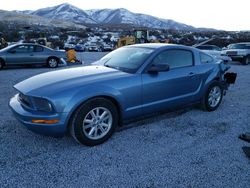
(23, 49)
(175, 58)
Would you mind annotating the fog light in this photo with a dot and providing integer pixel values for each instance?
(52, 121)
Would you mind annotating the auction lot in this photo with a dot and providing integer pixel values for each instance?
(186, 148)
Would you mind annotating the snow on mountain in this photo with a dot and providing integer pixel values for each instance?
(123, 16)
(65, 12)
(107, 16)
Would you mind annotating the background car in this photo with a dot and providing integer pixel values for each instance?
(70, 45)
(239, 52)
(80, 47)
(106, 47)
(30, 54)
(129, 82)
(214, 51)
(92, 47)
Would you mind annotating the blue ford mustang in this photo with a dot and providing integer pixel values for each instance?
(91, 101)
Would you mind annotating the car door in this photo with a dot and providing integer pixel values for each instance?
(39, 56)
(21, 54)
(174, 87)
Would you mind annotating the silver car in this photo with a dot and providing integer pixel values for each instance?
(30, 54)
(214, 51)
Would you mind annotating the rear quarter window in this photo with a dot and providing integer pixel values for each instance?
(38, 49)
(204, 58)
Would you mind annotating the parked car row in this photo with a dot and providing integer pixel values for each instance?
(30, 54)
(91, 47)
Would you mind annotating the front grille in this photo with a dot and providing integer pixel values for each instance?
(231, 52)
(24, 100)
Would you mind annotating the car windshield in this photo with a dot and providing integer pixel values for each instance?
(127, 59)
(239, 46)
(8, 47)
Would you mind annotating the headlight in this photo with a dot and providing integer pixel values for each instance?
(42, 104)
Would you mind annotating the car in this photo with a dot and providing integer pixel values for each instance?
(92, 47)
(70, 45)
(80, 47)
(129, 82)
(30, 54)
(238, 52)
(105, 47)
(215, 51)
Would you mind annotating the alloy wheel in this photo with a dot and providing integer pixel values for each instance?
(52, 63)
(214, 96)
(97, 123)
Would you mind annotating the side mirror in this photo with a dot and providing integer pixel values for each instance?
(224, 48)
(154, 69)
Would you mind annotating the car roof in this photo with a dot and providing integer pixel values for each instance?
(28, 44)
(159, 45)
(207, 45)
(150, 45)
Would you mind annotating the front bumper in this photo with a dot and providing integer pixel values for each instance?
(26, 117)
(236, 57)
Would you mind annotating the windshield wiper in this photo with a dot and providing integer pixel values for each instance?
(123, 69)
(113, 67)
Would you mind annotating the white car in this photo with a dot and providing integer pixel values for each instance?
(238, 52)
(69, 45)
(214, 51)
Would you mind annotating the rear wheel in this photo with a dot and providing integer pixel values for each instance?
(213, 96)
(52, 62)
(94, 122)
(246, 60)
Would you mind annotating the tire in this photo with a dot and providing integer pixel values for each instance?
(94, 122)
(1, 64)
(52, 62)
(213, 97)
(246, 60)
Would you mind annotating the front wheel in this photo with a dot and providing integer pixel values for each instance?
(94, 122)
(213, 97)
(52, 62)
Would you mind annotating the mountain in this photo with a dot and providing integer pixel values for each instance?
(65, 12)
(123, 16)
(107, 16)
(17, 18)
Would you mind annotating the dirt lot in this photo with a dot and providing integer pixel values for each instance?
(187, 148)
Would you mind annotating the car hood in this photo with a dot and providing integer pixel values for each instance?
(61, 80)
(238, 50)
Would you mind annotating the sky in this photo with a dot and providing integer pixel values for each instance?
(219, 14)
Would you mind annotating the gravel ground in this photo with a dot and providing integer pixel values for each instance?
(187, 148)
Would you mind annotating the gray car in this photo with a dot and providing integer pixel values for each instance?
(30, 54)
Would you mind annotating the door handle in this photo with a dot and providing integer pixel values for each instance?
(31, 54)
(191, 74)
